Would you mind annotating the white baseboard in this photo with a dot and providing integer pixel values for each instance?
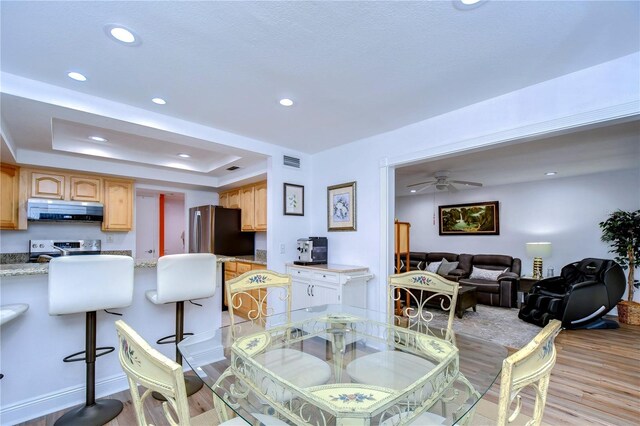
(65, 398)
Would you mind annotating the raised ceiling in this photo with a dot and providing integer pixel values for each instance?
(353, 69)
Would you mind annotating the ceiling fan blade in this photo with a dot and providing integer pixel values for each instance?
(424, 187)
(466, 182)
(429, 182)
(452, 188)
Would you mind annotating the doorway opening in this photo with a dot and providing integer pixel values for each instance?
(160, 223)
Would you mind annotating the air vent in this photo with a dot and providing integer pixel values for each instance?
(292, 161)
(232, 168)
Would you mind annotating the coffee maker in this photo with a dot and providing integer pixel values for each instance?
(312, 251)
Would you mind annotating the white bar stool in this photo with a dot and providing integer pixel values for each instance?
(11, 312)
(183, 277)
(87, 284)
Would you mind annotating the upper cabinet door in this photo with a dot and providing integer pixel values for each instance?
(118, 205)
(247, 207)
(9, 187)
(84, 188)
(234, 199)
(260, 197)
(224, 200)
(47, 185)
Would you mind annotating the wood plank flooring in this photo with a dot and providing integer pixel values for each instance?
(596, 381)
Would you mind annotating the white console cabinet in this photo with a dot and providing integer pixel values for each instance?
(328, 284)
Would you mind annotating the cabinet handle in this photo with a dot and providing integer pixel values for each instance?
(308, 290)
(312, 289)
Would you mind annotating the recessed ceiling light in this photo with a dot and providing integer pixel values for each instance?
(98, 139)
(551, 173)
(468, 4)
(414, 190)
(77, 76)
(158, 101)
(184, 155)
(122, 34)
(286, 102)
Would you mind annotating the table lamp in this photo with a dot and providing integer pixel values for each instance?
(538, 251)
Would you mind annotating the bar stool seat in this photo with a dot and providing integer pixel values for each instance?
(86, 284)
(182, 277)
(13, 311)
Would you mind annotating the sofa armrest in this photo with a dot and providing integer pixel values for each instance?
(508, 292)
(508, 276)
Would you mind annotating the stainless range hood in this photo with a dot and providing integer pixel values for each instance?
(41, 210)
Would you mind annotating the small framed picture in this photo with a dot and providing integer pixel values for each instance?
(293, 200)
(341, 207)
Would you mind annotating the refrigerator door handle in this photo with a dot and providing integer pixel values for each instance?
(197, 229)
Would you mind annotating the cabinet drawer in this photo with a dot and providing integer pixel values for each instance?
(326, 277)
(243, 267)
(230, 266)
(300, 273)
(255, 267)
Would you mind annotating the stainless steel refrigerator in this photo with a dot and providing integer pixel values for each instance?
(214, 229)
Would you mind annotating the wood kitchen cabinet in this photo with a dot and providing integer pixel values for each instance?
(118, 205)
(10, 190)
(260, 206)
(85, 188)
(48, 185)
(252, 200)
(64, 186)
(247, 205)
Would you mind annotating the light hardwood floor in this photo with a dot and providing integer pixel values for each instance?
(596, 381)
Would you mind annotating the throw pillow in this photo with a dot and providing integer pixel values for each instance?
(446, 267)
(485, 274)
(433, 267)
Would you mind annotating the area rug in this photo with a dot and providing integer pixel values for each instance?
(498, 325)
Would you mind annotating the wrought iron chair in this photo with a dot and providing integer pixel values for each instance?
(148, 368)
(422, 289)
(249, 293)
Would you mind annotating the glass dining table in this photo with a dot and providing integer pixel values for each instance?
(383, 371)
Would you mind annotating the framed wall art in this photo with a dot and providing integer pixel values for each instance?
(293, 200)
(341, 207)
(470, 219)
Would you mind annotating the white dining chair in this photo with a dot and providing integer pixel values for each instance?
(397, 369)
(149, 371)
(251, 291)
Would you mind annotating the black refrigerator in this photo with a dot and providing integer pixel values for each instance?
(214, 229)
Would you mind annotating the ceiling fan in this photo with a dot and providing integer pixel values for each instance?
(441, 182)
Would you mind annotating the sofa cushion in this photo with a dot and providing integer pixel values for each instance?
(482, 286)
(433, 267)
(446, 267)
(497, 261)
(464, 263)
(485, 274)
(438, 256)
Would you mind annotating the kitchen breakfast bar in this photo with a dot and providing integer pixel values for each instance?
(36, 380)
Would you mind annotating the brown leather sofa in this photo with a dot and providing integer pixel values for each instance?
(499, 292)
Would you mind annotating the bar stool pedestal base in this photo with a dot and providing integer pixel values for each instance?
(98, 414)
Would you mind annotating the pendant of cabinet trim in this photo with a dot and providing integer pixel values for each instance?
(252, 200)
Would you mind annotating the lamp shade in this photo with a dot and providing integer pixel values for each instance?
(539, 249)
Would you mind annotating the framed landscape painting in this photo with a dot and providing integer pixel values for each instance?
(293, 200)
(341, 207)
(470, 219)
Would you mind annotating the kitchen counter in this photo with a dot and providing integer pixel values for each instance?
(331, 267)
(21, 269)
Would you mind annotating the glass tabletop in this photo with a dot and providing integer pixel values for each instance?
(338, 365)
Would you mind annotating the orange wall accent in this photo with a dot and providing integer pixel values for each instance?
(161, 225)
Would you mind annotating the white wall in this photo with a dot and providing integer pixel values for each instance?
(174, 226)
(563, 211)
(576, 99)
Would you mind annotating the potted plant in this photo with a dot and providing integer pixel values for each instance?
(622, 231)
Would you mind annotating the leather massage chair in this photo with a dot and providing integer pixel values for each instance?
(583, 293)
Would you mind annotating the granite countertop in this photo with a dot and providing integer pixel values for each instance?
(332, 267)
(20, 269)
